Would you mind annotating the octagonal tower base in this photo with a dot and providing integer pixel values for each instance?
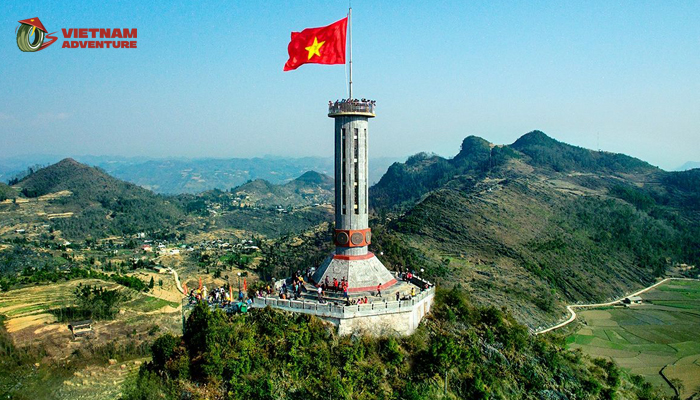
(363, 273)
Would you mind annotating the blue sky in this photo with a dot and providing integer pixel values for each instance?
(207, 81)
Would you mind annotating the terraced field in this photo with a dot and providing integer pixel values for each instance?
(29, 322)
(663, 333)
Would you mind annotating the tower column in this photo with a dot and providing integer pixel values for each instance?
(352, 233)
(351, 259)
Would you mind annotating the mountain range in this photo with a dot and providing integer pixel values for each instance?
(531, 225)
(310, 188)
(80, 201)
(181, 175)
(538, 223)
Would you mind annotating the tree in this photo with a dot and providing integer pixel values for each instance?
(151, 284)
(97, 302)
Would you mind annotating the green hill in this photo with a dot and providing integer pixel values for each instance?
(6, 192)
(459, 352)
(547, 152)
(101, 205)
(311, 187)
(539, 223)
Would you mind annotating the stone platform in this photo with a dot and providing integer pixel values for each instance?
(378, 318)
(363, 273)
(404, 289)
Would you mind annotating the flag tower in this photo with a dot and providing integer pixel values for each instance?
(351, 259)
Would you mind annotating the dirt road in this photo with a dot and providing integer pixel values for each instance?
(572, 313)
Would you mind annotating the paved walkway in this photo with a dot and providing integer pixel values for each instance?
(572, 313)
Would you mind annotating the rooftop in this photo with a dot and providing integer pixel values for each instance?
(362, 107)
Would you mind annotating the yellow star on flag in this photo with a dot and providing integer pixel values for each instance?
(313, 49)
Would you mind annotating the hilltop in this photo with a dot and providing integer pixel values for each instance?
(311, 187)
(80, 202)
(689, 165)
(93, 204)
(538, 223)
(459, 352)
(263, 208)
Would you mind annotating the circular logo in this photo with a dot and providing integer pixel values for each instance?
(342, 238)
(356, 238)
(29, 38)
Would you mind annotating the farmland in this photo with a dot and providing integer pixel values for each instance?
(658, 339)
(54, 365)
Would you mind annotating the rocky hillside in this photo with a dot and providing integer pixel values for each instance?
(539, 223)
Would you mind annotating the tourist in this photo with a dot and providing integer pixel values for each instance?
(398, 296)
(379, 290)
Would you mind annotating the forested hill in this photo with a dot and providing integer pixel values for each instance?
(458, 352)
(101, 205)
(311, 187)
(539, 223)
(6, 192)
(404, 183)
(550, 153)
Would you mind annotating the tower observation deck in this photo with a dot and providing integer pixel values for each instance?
(351, 259)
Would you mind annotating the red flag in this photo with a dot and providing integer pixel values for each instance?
(324, 45)
(245, 285)
(200, 283)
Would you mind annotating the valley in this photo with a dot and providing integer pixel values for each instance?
(524, 229)
(657, 339)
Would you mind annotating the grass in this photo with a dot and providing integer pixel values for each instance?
(149, 303)
(643, 339)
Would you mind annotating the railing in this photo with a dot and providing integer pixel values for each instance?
(351, 107)
(342, 311)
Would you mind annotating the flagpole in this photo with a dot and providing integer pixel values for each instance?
(350, 29)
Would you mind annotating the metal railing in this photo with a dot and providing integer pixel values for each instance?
(351, 107)
(329, 309)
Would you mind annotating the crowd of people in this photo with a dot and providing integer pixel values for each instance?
(265, 292)
(352, 101)
(222, 296)
(294, 289)
(346, 103)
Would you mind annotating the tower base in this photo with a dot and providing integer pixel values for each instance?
(363, 273)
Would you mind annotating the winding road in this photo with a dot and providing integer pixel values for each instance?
(177, 280)
(572, 313)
